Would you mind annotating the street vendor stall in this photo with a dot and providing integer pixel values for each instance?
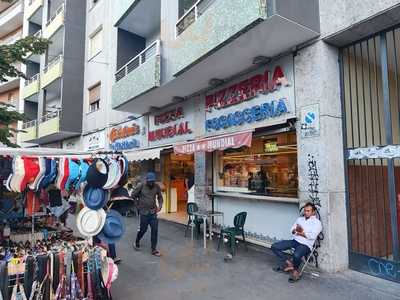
(40, 257)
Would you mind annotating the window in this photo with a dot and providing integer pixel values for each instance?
(267, 168)
(94, 97)
(96, 43)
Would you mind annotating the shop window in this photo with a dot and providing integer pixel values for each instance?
(96, 42)
(267, 168)
(94, 97)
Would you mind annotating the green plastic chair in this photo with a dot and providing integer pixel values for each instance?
(232, 232)
(192, 219)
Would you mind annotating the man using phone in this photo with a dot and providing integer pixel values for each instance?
(305, 231)
(146, 196)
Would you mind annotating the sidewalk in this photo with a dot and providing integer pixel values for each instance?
(187, 271)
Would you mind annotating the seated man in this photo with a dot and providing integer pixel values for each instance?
(305, 231)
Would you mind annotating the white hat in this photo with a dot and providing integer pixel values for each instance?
(114, 174)
(90, 222)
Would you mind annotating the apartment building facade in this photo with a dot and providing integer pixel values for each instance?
(52, 96)
(11, 16)
(270, 104)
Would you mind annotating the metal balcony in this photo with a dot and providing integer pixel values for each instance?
(49, 124)
(52, 71)
(31, 86)
(11, 18)
(32, 6)
(30, 131)
(139, 75)
(55, 22)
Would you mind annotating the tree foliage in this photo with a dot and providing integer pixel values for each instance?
(16, 53)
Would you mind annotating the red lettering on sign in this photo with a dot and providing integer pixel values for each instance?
(247, 89)
(169, 116)
(169, 132)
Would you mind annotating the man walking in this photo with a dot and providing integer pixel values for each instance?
(147, 195)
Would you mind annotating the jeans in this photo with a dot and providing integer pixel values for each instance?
(300, 251)
(112, 252)
(145, 221)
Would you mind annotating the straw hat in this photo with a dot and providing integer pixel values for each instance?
(90, 222)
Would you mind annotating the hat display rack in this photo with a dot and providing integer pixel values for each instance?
(25, 172)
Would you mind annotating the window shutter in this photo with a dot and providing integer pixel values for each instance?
(94, 94)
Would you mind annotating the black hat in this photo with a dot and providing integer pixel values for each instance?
(97, 173)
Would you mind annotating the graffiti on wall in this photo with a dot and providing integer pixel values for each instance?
(384, 269)
(313, 176)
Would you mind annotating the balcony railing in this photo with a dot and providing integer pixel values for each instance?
(33, 6)
(192, 15)
(58, 12)
(54, 23)
(31, 86)
(38, 34)
(50, 116)
(11, 39)
(9, 10)
(52, 63)
(29, 124)
(138, 60)
(32, 79)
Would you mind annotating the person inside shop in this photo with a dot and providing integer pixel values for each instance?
(305, 231)
(250, 181)
(146, 197)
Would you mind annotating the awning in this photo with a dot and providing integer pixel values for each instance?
(222, 142)
(145, 154)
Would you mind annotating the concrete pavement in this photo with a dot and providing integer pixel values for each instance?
(187, 271)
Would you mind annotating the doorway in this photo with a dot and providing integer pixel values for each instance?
(178, 180)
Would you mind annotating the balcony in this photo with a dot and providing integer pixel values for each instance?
(52, 72)
(32, 7)
(55, 23)
(34, 57)
(11, 18)
(139, 75)
(30, 133)
(31, 86)
(49, 124)
(11, 39)
(218, 39)
(210, 23)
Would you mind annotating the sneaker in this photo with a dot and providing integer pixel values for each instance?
(156, 253)
(117, 260)
(136, 246)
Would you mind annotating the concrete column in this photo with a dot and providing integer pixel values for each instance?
(201, 180)
(317, 78)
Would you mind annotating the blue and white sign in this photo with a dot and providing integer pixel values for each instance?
(264, 97)
(310, 121)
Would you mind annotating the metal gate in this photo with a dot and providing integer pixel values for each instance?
(370, 79)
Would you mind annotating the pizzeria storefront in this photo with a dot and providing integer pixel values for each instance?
(175, 172)
(250, 134)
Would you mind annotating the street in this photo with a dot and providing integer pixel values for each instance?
(187, 271)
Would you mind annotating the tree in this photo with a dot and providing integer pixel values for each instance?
(10, 55)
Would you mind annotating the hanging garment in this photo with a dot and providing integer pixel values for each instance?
(78, 268)
(32, 203)
(18, 292)
(4, 279)
(29, 274)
